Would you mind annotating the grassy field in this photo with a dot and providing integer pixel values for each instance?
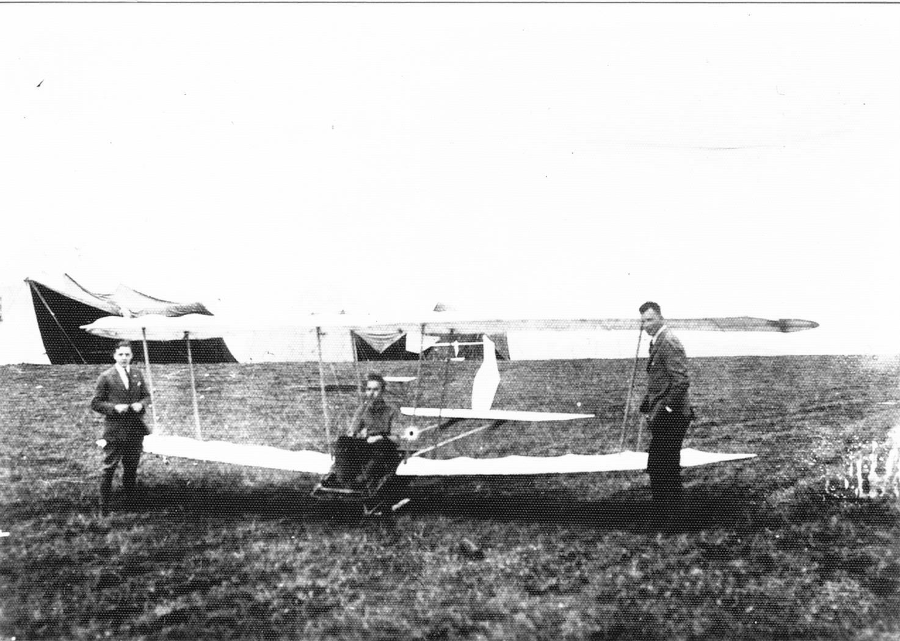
(220, 552)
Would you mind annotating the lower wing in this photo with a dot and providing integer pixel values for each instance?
(239, 454)
(320, 463)
(565, 464)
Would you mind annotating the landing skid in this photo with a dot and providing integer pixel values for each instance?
(383, 498)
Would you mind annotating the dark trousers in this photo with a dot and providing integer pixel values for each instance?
(130, 455)
(361, 464)
(664, 460)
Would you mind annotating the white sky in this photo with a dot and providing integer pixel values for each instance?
(722, 160)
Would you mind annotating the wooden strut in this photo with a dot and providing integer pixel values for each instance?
(456, 438)
(419, 367)
(438, 425)
(322, 387)
(631, 389)
(187, 337)
(150, 380)
(359, 384)
(56, 320)
(444, 391)
(444, 425)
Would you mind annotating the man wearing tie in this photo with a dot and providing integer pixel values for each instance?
(122, 398)
(667, 406)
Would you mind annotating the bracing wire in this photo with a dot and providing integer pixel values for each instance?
(637, 352)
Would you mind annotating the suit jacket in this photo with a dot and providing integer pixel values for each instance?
(372, 419)
(127, 427)
(668, 384)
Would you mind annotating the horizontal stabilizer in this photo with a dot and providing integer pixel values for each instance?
(491, 415)
(239, 454)
(566, 464)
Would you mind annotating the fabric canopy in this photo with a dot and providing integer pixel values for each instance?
(62, 307)
(124, 301)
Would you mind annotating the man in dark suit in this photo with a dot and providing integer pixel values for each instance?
(667, 406)
(122, 398)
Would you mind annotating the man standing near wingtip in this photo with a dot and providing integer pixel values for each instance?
(122, 398)
(667, 407)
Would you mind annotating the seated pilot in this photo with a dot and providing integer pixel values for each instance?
(374, 417)
(368, 452)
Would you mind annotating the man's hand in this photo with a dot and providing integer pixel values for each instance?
(137, 407)
(374, 439)
(661, 411)
(121, 407)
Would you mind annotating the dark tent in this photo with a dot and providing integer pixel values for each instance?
(392, 347)
(369, 350)
(62, 308)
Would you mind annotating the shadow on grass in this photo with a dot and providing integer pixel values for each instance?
(630, 510)
(503, 500)
(498, 499)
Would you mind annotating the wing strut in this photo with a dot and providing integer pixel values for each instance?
(640, 433)
(456, 438)
(637, 351)
(187, 337)
(322, 387)
(359, 383)
(149, 380)
(419, 366)
(443, 397)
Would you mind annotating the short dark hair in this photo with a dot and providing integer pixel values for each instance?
(378, 378)
(123, 344)
(650, 305)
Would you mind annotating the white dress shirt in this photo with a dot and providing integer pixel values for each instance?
(658, 333)
(123, 374)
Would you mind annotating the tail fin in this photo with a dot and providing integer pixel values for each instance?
(487, 380)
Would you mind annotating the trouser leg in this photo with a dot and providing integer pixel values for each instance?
(384, 461)
(346, 459)
(664, 462)
(131, 456)
(111, 457)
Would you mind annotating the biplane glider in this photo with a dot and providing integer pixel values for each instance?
(485, 385)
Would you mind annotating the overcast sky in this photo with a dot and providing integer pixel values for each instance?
(722, 160)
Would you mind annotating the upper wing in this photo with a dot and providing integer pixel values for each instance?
(198, 326)
(457, 323)
(493, 415)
